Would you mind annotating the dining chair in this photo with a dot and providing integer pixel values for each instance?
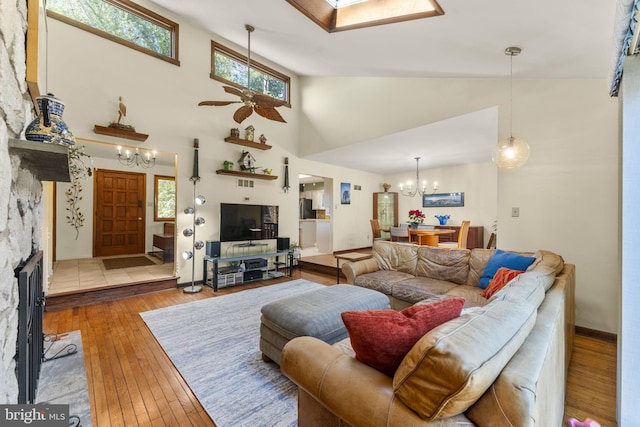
(491, 243)
(462, 238)
(375, 230)
(400, 234)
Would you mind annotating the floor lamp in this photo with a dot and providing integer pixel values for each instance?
(197, 221)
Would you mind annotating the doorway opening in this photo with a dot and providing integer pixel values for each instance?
(315, 235)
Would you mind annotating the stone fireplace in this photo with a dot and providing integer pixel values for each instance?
(20, 192)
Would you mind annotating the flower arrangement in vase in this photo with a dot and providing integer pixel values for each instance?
(416, 217)
(443, 219)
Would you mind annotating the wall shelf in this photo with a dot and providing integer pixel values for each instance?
(120, 133)
(48, 162)
(246, 174)
(247, 143)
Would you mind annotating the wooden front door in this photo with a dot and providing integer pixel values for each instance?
(119, 213)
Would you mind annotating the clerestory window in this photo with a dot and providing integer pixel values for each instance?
(230, 67)
(121, 21)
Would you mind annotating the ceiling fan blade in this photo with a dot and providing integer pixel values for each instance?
(218, 103)
(267, 101)
(233, 90)
(242, 113)
(269, 113)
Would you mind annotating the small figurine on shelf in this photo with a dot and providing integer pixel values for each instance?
(235, 132)
(122, 112)
(228, 165)
(267, 171)
(247, 162)
(262, 139)
(249, 133)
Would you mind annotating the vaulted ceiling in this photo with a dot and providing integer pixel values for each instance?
(560, 40)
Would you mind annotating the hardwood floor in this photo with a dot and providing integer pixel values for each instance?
(133, 383)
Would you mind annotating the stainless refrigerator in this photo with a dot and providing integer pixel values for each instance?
(305, 209)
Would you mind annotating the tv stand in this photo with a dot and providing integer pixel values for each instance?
(253, 274)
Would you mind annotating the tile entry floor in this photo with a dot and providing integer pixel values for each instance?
(89, 273)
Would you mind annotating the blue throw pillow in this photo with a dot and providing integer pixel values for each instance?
(502, 258)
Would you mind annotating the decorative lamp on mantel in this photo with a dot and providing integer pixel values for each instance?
(197, 221)
(512, 153)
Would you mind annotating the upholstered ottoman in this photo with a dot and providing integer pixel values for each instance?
(315, 313)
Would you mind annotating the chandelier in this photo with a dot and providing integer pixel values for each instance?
(512, 153)
(418, 190)
(146, 160)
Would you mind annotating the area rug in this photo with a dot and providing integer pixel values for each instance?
(63, 380)
(214, 344)
(126, 262)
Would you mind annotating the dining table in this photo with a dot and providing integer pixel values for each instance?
(430, 236)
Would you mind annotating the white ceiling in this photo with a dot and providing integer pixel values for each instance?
(560, 40)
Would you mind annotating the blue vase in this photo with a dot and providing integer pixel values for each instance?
(414, 225)
(442, 219)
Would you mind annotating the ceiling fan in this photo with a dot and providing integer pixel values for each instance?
(262, 104)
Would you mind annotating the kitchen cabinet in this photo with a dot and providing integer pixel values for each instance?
(307, 237)
(323, 236)
(385, 209)
(317, 199)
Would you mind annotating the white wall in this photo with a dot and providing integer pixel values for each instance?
(568, 191)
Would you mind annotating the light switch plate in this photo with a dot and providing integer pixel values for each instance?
(515, 212)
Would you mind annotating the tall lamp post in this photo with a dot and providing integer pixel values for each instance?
(197, 221)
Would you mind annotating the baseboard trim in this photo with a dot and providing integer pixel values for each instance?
(593, 333)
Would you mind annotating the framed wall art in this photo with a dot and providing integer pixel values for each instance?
(345, 193)
(443, 200)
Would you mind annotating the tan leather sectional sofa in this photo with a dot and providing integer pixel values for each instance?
(503, 362)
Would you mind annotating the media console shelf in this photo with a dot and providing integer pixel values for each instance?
(258, 273)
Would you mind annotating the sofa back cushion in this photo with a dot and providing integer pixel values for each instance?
(450, 265)
(455, 363)
(395, 256)
(478, 259)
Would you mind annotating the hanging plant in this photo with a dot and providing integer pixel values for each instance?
(78, 169)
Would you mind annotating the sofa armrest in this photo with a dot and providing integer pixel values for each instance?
(348, 389)
(353, 269)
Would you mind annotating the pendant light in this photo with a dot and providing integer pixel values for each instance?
(512, 153)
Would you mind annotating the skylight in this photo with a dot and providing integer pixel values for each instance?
(341, 15)
(336, 4)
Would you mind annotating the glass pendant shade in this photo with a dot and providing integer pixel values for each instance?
(511, 154)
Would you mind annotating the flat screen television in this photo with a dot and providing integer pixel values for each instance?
(240, 222)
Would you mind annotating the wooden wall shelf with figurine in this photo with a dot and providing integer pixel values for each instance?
(247, 143)
(120, 133)
(246, 174)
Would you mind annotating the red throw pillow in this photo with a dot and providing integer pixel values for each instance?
(381, 338)
(500, 279)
